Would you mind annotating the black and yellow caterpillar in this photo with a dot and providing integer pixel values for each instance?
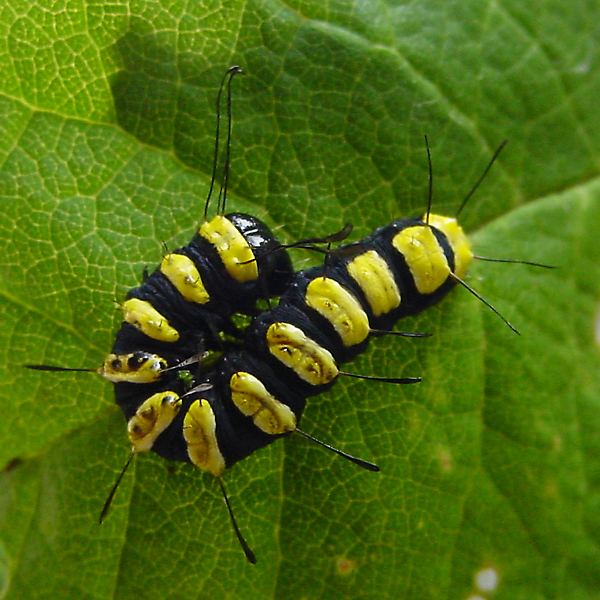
(215, 415)
(324, 319)
(257, 390)
(256, 394)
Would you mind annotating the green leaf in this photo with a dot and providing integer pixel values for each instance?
(490, 470)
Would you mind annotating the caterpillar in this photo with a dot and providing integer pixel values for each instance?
(256, 394)
(215, 415)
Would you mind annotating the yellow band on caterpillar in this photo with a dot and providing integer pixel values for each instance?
(199, 431)
(376, 280)
(181, 271)
(148, 320)
(340, 308)
(236, 254)
(252, 398)
(153, 416)
(311, 362)
(424, 256)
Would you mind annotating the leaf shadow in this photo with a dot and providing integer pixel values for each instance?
(165, 98)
